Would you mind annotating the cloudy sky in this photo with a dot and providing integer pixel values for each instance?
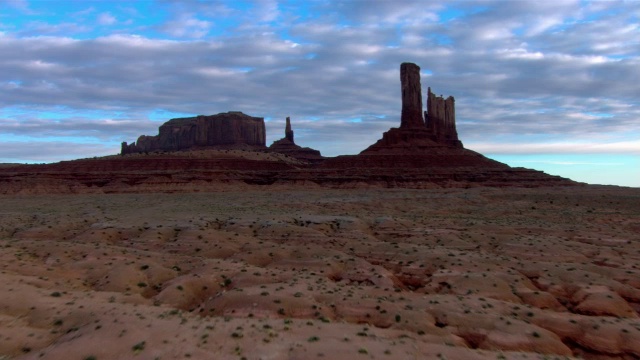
(549, 85)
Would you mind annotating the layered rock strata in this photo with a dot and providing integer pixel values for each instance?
(186, 171)
(230, 130)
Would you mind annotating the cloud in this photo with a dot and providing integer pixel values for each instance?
(49, 151)
(573, 163)
(106, 18)
(39, 29)
(268, 10)
(187, 26)
(70, 127)
(569, 147)
(518, 70)
(403, 12)
(20, 5)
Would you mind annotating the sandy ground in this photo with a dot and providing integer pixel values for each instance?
(266, 273)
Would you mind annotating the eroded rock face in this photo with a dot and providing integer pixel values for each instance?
(225, 130)
(441, 119)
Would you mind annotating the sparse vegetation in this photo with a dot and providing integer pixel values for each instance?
(399, 263)
(138, 347)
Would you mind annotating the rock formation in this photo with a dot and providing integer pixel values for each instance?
(415, 155)
(288, 133)
(441, 119)
(288, 147)
(414, 135)
(230, 130)
(411, 96)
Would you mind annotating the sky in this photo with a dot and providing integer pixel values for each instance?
(548, 85)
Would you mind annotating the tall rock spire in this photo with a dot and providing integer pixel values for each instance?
(411, 96)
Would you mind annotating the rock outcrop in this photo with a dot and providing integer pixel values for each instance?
(420, 153)
(230, 130)
(441, 119)
(288, 147)
(414, 135)
(288, 133)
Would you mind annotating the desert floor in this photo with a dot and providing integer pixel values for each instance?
(337, 274)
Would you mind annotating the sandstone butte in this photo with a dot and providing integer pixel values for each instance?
(203, 153)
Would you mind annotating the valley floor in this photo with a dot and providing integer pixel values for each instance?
(480, 273)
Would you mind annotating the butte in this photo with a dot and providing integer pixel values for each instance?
(425, 150)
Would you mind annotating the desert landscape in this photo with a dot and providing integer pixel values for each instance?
(293, 273)
(203, 243)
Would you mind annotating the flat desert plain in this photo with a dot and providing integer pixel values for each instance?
(287, 273)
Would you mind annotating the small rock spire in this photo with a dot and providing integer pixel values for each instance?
(288, 133)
